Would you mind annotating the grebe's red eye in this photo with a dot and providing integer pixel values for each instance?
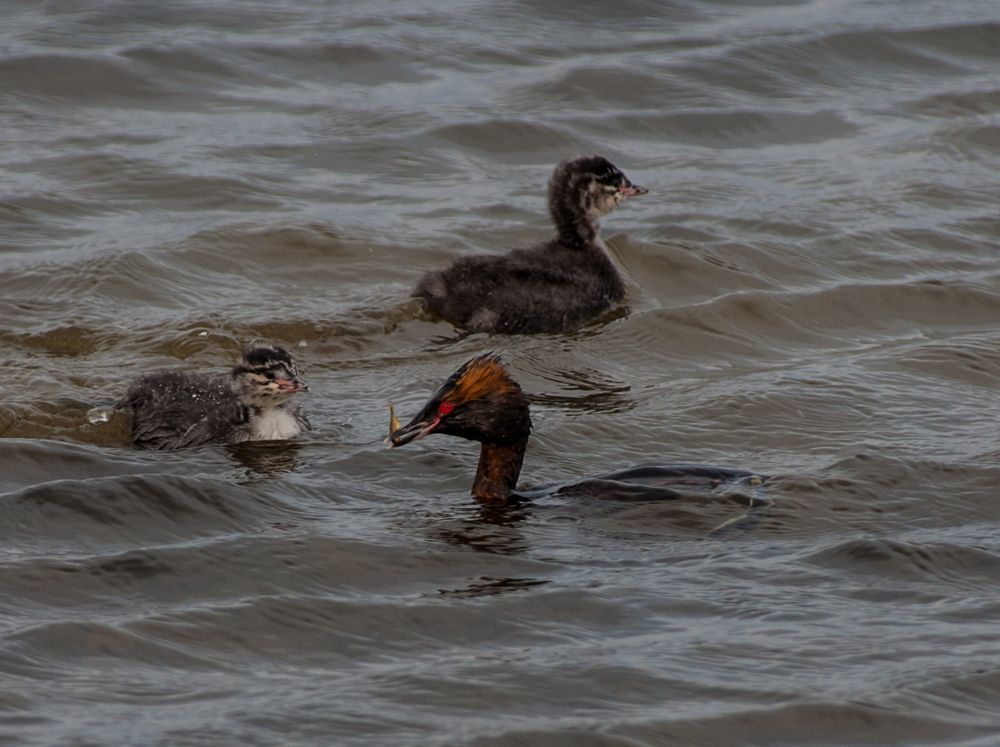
(445, 408)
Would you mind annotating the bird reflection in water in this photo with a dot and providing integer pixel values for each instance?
(487, 586)
(493, 529)
(266, 458)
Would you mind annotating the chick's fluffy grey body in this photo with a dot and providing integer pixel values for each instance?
(174, 409)
(550, 288)
(554, 287)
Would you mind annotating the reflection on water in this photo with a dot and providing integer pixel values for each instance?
(488, 528)
(590, 392)
(489, 587)
(266, 458)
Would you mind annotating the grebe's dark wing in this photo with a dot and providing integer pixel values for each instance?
(662, 482)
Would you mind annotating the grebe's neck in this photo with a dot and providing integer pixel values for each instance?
(499, 468)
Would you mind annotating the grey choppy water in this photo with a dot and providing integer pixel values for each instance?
(815, 293)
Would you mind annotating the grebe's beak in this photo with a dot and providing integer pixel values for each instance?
(633, 190)
(412, 431)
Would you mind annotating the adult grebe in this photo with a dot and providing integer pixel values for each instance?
(553, 287)
(482, 402)
(174, 409)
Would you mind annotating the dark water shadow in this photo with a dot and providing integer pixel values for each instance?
(598, 392)
(488, 586)
(266, 458)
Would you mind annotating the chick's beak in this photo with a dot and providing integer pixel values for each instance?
(291, 385)
(634, 190)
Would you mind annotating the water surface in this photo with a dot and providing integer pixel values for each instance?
(814, 290)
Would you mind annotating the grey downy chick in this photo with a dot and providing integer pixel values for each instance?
(176, 409)
(555, 286)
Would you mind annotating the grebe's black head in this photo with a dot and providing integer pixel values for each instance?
(266, 376)
(584, 189)
(479, 402)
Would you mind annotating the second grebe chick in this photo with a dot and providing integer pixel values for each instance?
(482, 402)
(175, 409)
(554, 287)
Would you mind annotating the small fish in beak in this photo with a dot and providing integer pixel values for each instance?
(393, 427)
(412, 431)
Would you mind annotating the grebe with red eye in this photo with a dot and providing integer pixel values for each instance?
(554, 287)
(482, 402)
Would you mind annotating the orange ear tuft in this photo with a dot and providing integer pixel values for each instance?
(482, 376)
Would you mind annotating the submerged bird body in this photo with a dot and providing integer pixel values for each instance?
(173, 409)
(557, 286)
(482, 402)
